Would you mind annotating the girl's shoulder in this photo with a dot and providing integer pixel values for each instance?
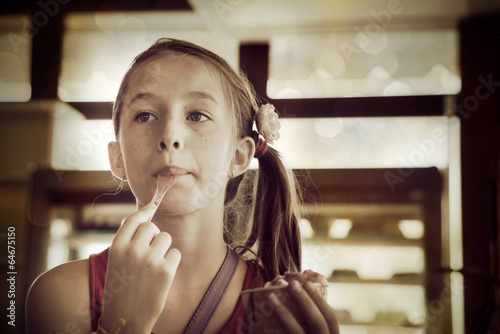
(58, 300)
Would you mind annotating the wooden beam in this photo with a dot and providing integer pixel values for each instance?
(46, 52)
(478, 106)
(30, 6)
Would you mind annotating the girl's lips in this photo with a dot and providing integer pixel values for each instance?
(170, 171)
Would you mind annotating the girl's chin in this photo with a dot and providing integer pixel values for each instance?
(174, 209)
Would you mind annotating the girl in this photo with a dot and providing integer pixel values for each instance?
(184, 117)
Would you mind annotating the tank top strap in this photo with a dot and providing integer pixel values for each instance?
(97, 276)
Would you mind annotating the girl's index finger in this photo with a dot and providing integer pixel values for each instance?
(146, 213)
(130, 225)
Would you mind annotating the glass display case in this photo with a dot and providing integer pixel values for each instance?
(379, 249)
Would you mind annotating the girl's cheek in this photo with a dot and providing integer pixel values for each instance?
(135, 148)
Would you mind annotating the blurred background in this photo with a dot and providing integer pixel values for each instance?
(390, 120)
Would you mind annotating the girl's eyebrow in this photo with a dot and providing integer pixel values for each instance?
(202, 95)
(145, 96)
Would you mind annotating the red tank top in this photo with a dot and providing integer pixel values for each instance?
(237, 323)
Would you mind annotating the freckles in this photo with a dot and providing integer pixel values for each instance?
(135, 148)
(151, 135)
(131, 154)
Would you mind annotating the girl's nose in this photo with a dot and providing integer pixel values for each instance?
(163, 146)
(171, 138)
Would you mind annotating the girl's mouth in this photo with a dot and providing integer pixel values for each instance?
(170, 171)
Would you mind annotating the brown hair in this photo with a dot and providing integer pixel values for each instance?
(261, 207)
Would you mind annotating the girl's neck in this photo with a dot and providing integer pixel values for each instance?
(199, 238)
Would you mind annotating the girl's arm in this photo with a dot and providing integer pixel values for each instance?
(59, 302)
(141, 256)
(141, 268)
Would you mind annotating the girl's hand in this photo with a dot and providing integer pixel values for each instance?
(141, 268)
(318, 315)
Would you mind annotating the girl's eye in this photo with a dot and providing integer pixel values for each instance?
(197, 116)
(144, 117)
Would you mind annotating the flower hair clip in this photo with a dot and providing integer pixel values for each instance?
(268, 124)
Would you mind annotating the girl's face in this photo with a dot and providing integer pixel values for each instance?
(175, 120)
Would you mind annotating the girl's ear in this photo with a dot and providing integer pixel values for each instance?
(243, 155)
(116, 159)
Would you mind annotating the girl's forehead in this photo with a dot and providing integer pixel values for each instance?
(176, 73)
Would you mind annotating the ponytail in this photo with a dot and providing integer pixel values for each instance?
(275, 220)
(270, 231)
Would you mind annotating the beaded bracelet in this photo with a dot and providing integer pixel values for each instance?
(101, 330)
